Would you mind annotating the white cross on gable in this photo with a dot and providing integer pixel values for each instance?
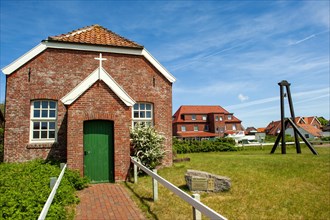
(100, 59)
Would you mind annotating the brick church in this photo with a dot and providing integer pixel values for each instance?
(75, 97)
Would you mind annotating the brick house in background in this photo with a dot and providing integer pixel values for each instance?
(198, 122)
(310, 127)
(75, 97)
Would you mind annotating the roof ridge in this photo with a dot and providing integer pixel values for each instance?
(74, 32)
(100, 35)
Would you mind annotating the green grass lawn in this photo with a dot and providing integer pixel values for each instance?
(264, 186)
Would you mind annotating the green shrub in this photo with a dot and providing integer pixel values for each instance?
(24, 189)
(1, 153)
(147, 145)
(1, 144)
(325, 138)
(75, 180)
(193, 146)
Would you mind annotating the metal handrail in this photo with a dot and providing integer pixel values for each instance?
(183, 195)
(49, 201)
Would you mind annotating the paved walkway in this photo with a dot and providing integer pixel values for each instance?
(106, 201)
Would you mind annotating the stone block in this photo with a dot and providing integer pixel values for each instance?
(199, 181)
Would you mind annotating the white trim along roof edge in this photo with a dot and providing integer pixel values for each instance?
(9, 69)
(74, 94)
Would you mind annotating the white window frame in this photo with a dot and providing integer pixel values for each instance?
(216, 118)
(234, 127)
(229, 117)
(183, 128)
(204, 117)
(140, 111)
(193, 117)
(196, 126)
(42, 120)
(220, 118)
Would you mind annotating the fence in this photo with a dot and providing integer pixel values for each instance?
(193, 201)
(49, 201)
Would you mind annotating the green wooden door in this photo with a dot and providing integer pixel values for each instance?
(98, 151)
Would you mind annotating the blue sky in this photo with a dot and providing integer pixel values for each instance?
(227, 53)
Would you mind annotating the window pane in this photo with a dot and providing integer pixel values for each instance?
(51, 125)
(52, 105)
(51, 134)
(43, 125)
(148, 114)
(136, 107)
(136, 114)
(36, 125)
(142, 115)
(36, 104)
(142, 107)
(148, 106)
(43, 134)
(36, 134)
(36, 113)
(44, 104)
(44, 114)
(52, 113)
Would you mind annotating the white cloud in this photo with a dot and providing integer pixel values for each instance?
(242, 97)
(300, 41)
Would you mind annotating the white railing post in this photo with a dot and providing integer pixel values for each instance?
(135, 174)
(52, 182)
(196, 214)
(155, 187)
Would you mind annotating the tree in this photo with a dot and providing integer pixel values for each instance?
(323, 121)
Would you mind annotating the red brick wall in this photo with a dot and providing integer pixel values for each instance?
(56, 72)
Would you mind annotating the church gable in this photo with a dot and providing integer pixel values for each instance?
(58, 88)
(98, 74)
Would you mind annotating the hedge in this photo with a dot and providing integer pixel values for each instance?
(192, 146)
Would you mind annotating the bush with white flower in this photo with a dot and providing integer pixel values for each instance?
(148, 145)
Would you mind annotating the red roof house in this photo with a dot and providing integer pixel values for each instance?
(309, 127)
(204, 122)
(75, 96)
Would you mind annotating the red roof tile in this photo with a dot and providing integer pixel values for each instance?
(273, 127)
(96, 35)
(261, 130)
(201, 109)
(311, 129)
